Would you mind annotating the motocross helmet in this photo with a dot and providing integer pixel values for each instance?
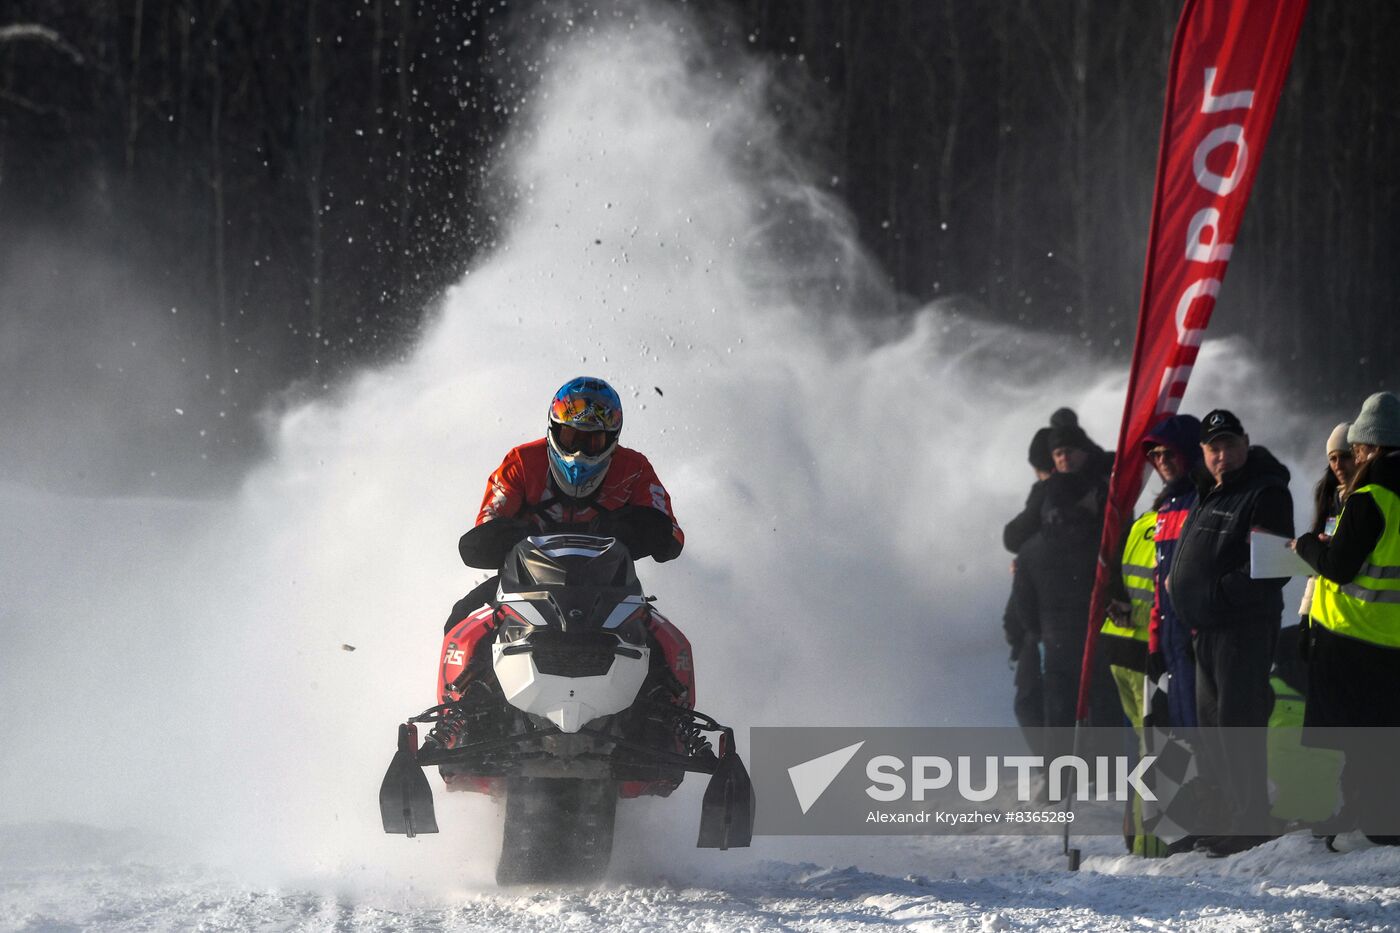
(585, 419)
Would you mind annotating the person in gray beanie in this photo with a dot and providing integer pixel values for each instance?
(1354, 661)
(1378, 425)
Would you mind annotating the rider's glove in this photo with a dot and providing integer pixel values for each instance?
(487, 545)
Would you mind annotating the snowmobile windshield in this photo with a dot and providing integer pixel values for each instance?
(549, 562)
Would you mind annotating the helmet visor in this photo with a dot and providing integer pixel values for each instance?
(585, 412)
(572, 440)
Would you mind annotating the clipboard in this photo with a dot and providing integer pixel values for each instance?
(1270, 558)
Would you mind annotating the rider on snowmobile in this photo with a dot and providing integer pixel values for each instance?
(576, 478)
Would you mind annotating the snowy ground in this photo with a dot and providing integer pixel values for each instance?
(61, 877)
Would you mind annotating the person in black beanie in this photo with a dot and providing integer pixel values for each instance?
(1067, 464)
(1038, 456)
(1076, 452)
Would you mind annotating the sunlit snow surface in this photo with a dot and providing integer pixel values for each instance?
(184, 668)
(57, 877)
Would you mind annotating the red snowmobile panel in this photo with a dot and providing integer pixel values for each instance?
(676, 648)
(458, 646)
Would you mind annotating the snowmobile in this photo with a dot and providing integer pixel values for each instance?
(564, 693)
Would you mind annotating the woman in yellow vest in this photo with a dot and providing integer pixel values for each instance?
(1327, 501)
(1354, 655)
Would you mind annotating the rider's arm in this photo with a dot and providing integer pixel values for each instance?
(498, 528)
(505, 490)
(645, 531)
(657, 533)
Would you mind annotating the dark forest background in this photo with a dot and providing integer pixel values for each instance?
(290, 183)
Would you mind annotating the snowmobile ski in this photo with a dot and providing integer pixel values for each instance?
(727, 812)
(405, 799)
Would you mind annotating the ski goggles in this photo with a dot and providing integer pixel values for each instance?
(585, 413)
(572, 440)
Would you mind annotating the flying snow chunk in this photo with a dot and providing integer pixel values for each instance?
(811, 778)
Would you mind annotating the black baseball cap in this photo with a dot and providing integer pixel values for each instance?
(1220, 422)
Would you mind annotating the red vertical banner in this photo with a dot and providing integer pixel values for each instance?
(1228, 63)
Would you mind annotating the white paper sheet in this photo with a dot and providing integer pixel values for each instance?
(1270, 558)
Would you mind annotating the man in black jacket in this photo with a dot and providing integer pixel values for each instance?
(1235, 620)
(1076, 451)
(1050, 596)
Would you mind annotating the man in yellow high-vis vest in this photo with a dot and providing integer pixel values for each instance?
(1123, 640)
(1124, 634)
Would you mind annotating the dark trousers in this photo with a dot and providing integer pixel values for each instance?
(1029, 703)
(1351, 692)
(1233, 693)
(1175, 641)
(1064, 656)
(1351, 682)
(1061, 668)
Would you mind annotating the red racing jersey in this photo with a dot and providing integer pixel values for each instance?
(520, 489)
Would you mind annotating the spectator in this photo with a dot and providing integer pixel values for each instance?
(1028, 703)
(1063, 433)
(1051, 592)
(1123, 645)
(1354, 661)
(1123, 637)
(1327, 507)
(1235, 620)
(1074, 452)
(1173, 448)
(1024, 634)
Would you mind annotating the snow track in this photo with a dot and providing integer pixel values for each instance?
(66, 878)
